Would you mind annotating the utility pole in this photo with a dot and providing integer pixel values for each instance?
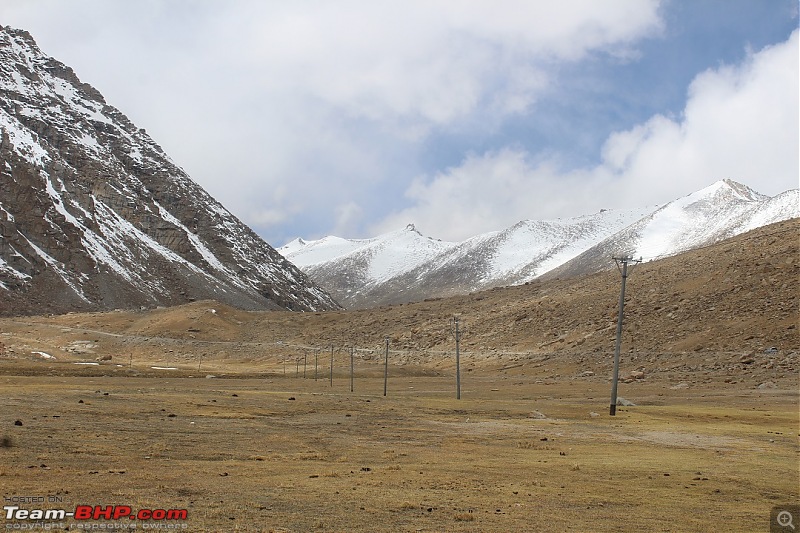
(331, 365)
(386, 367)
(316, 363)
(352, 351)
(458, 358)
(623, 261)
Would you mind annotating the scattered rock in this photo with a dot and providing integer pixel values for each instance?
(626, 403)
(18, 422)
(537, 415)
(79, 347)
(767, 385)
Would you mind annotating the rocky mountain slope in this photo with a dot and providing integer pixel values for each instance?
(94, 214)
(406, 266)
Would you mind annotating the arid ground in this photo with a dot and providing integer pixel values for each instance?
(292, 454)
(233, 416)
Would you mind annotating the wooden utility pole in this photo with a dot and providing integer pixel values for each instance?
(622, 265)
(386, 367)
(458, 357)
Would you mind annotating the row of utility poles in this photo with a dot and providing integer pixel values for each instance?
(455, 327)
(454, 323)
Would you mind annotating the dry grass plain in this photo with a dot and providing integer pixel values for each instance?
(259, 450)
(710, 358)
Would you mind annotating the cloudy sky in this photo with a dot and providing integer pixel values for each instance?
(356, 117)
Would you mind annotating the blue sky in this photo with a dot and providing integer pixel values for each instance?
(354, 117)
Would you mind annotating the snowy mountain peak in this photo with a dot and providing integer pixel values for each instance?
(725, 190)
(703, 217)
(744, 192)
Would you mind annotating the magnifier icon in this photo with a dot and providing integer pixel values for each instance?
(784, 519)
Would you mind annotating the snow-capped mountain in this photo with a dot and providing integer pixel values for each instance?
(720, 211)
(94, 215)
(407, 266)
(370, 261)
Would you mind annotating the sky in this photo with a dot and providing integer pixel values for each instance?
(355, 118)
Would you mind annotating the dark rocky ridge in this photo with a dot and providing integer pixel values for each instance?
(95, 216)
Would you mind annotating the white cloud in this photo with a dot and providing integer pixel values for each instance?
(344, 89)
(346, 216)
(433, 61)
(487, 192)
(739, 122)
(253, 96)
(292, 110)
